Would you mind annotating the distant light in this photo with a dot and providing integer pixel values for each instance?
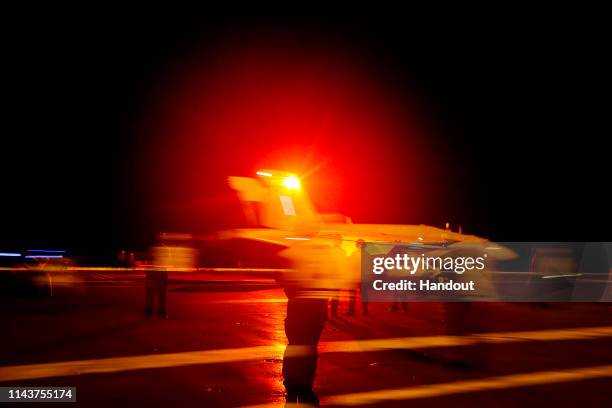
(291, 182)
(298, 238)
(44, 256)
(51, 251)
(569, 275)
(9, 254)
(263, 173)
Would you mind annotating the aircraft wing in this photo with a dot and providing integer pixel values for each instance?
(266, 235)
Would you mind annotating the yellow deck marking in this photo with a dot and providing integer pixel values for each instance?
(460, 387)
(275, 351)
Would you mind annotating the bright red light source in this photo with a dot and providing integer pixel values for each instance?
(292, 183)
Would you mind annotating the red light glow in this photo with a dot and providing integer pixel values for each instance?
(313, 111)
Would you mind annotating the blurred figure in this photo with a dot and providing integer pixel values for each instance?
(126, 260)
(339, 275)
(166, 256)
(304, 324)
(42, 277)
(354, 268)
(156, 286)
(462, 316)
(122, 258)
(465, 318)
(43, 267)
(399, 298)
(317, 266)
(132, 263)
(335, 303)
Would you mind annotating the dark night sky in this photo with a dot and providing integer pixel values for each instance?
(512, 106)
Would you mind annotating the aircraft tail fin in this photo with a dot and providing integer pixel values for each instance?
(276, 199)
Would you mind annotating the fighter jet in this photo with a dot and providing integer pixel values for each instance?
(281, 213)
